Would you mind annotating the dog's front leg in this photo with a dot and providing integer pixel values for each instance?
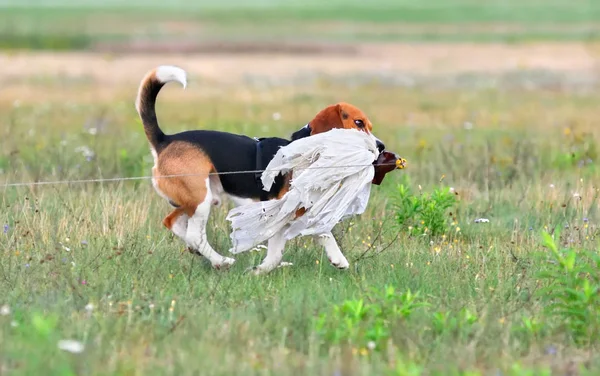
(274, 254)
(334, 254)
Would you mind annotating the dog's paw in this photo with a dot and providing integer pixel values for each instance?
(261, 270)
(254, 270)
(340, 263)
(224, 264)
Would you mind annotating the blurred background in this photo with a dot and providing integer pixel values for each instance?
(400, 41)
(196, 26)
(421, 70)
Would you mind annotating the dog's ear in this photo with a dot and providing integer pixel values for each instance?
(329, 118)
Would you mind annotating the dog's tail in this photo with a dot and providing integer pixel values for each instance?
(146, 99)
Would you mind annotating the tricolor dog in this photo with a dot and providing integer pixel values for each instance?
(205, 163)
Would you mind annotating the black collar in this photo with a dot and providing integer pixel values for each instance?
(303, 132)
(261, 154)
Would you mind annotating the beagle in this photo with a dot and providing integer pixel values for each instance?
(206, 165)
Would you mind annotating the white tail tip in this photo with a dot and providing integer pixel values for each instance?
(168, 73)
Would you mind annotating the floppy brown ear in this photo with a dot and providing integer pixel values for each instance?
(330, 117)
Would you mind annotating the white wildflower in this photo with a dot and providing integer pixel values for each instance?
(482, 220)
(85, 151)
(71, 345)
(93, 131)
(451, 189)
(89, 307)
(371, 345)
(258, 248)
(577, 195)
(551, 185)
(5, 310)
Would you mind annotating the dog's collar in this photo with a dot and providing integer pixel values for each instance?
(302, 132)
(258, 164)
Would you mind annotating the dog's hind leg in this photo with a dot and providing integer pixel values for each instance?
(334, 254)
(182, 175)
(177, 222)
(196, 233)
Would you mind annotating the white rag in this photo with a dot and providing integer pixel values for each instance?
(332, 174)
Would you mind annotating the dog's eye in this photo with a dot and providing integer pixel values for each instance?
(359, 123)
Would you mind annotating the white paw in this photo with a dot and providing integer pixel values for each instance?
(256, 270)
(261, 269)
(225, 263)
(340, 263)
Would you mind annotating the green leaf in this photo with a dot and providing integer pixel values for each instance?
(44, 326)
(548, 241)
(569, 261)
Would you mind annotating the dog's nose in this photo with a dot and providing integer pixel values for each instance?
(380, 146)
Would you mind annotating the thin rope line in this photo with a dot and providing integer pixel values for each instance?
(108, 180)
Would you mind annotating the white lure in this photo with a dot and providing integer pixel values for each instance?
(332, 174)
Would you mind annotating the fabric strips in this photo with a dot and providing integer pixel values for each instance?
(322, 184)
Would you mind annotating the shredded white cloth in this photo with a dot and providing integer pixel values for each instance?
(332, 174)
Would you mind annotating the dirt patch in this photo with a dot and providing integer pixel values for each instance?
(282, 63)
(225, 47)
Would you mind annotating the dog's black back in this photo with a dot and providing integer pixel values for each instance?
(231, 153)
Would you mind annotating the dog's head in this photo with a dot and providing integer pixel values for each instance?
(341, 115)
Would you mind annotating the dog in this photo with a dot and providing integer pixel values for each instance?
(205, 165)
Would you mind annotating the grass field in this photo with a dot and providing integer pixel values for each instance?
(430, 291)
(85, 25)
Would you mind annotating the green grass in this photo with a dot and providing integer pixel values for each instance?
(438, 11)
(80, 25)
(92, 262)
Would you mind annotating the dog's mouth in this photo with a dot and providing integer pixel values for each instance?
(387, 161)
